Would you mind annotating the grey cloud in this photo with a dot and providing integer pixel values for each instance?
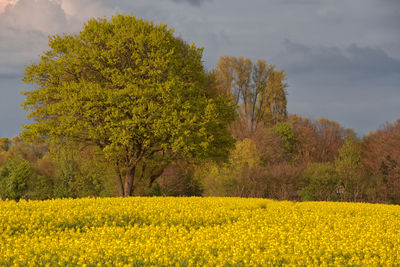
(342, 57)
(358, 105)
(192, 2)
(372, 60)
(18, 47)
(9, 76)
(322, 59)
(357, 86)
(24, 28)
(42, 15)
(79, 11)
(11, 113)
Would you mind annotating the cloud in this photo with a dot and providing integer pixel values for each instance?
(374, 60)
(342, 57)
(26, 24)
(18, 47)
(24, 28)
(192, 2)
(6, 3)
(357, 86)
(353, 59)
(39, 15)
(11, 114)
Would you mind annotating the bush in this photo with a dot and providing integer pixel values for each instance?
(178, 180)
(321, 183)
(14, 177)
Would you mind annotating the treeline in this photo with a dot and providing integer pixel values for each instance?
(126, 108)
(276, 155)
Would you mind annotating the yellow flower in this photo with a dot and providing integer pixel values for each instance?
(197, 232)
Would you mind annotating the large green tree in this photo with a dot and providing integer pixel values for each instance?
(132, 88)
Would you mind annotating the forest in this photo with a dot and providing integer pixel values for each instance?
(116, 113)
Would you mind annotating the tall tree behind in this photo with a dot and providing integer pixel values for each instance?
(330, 137)
(348, 168)
(276, 96)
(257, 89)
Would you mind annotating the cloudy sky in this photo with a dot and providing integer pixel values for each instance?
(342, 56)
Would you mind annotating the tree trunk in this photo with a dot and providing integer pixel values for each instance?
(128, 186)
(155, 175)
(120, 185)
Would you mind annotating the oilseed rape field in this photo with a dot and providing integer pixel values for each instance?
(167, 231)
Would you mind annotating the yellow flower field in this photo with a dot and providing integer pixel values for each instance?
(197, 232)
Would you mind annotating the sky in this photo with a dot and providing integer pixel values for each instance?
(342, 57)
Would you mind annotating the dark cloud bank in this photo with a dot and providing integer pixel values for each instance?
(357, 86)
(342, 57)
(192, 2)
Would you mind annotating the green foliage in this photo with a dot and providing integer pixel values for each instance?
(321, 183)
(93, 181)
(130, 87)
(349, 154)
(5, 144)
(285, 130)
(156, 190)
(66, 170)
(40, 187)
(38, 184)
(31, 170)
(348, 168)
(231, 178)
(244, 154)
(14, 177)
(81, 173)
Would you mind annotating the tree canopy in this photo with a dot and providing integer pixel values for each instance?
(133, 89)
(259, 90)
